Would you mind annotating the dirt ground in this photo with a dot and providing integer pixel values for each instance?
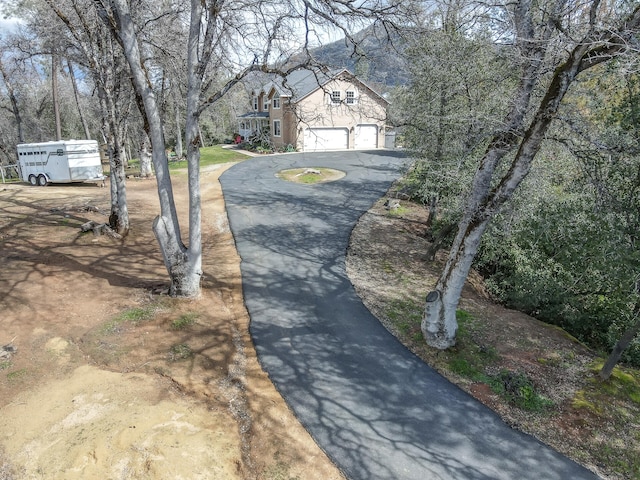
(107, 377)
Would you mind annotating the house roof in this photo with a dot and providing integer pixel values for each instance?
(254, 115)
(302, 82)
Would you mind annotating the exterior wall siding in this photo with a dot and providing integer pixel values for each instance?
(317, 110)
(277, 114)
(290, 122)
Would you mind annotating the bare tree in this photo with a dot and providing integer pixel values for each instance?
(76, 94)
(104, 61)
(555, 42)
(55, 93)
(226, 41)
(13, 106)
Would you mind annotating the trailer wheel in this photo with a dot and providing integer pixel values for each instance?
(33, 180)
(42, 181)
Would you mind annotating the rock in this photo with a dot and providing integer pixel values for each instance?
(99, 229)
(7, 351)
(310, 171)
(392, 204)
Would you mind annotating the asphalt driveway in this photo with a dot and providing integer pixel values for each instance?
(377, 410)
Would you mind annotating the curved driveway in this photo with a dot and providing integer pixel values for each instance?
(377, 410)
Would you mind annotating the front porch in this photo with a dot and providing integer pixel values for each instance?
(254, 126)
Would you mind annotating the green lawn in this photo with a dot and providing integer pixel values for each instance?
(212, 156)
(208, 156)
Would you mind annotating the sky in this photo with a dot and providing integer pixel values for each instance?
(7, 24)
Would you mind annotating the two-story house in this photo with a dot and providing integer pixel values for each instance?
(311, 110)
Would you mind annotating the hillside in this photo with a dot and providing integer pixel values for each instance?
(538, 378)
(377, 59)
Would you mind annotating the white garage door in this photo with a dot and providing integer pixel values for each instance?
(366, 136)
(325, 139)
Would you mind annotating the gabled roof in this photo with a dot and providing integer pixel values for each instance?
(302, 82)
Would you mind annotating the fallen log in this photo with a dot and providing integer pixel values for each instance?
(91, 208)
(99, 229)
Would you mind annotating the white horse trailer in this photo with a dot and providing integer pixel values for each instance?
(66, 161)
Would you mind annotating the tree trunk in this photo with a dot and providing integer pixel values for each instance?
(179, 149)
(14, 102)
(200, 136)
(128, 148)
(438, 241)
(626, 339)
(439, 323)
(119, 216)
(74, 84)
(123, 129)
(145, 156)
(620, 346)
(184, 269)
(193, 140)
(56, 94)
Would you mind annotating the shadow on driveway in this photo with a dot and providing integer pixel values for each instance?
(376, 409)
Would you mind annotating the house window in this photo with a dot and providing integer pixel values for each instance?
(265, 105)
(276, 128)
(351, 98)
(276, 101)
(335, 96)
(255, 103)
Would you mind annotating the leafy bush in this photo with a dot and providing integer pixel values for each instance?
(569, 267)
(519, 390)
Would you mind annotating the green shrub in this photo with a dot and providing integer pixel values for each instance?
(180, 351)
(519, 390)
(133, 316)
(184, 321)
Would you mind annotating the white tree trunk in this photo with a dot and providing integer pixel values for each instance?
(179, 149)
(101, 62)
(55, 92)
(183, 267)
(119, 215)
(145, 156)
(74, 85)
(192, 138)
(439, 323)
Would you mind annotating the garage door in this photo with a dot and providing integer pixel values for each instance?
(325, 139)
(366, 136)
